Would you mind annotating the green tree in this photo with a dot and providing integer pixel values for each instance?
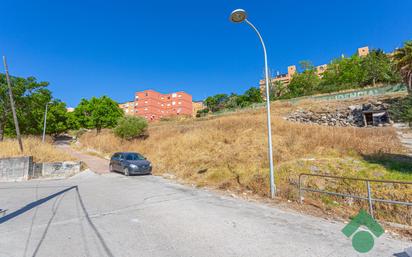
(223, 101)
(304, 83)
(4, 105)
(378, 68)
(98, 113)
(278, 89)
(130, 127)
(403, 62)
(252, 95)
(343, 73)
(57, 118)
(30, 98)
(216, 103)
(72, 121)
(232, 102)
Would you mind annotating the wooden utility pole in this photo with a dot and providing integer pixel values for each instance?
(13, 108)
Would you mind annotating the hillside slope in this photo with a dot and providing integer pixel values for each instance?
(230, 153)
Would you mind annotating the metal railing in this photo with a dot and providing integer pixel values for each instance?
(369, 197)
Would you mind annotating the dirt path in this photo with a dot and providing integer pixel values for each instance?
(94, 163)
(405, 136)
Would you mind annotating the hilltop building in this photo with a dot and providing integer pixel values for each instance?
(153, 105)
(197, 106)
(287, 77)
(363, 51)
(127, 107)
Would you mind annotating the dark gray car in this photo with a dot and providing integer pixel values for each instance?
(130, 163)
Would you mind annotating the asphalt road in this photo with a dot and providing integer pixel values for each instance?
(114, 215)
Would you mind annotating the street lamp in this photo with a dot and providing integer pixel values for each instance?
(45, 121)
(238, 16)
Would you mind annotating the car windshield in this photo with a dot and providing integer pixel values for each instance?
(134, 157)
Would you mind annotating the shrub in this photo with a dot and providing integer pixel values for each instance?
(202, 113)
(401, 110)
(130, 127)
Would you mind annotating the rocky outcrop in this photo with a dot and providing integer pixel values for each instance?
(367, 114)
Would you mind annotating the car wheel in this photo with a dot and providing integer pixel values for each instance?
(126, 171)
(111, 168)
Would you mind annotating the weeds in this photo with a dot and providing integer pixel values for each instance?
(231, 152)
(41, 152)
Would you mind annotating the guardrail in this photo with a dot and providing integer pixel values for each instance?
(369, 197)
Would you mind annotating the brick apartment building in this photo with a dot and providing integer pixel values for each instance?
(153, 105)
(287, 77)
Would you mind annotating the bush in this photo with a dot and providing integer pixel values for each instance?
(130, 127)
(202, 113)
(401, 110)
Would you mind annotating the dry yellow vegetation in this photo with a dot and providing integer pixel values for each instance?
(41, 152)
(230, 152)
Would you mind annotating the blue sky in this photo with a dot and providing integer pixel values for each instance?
(93, 48)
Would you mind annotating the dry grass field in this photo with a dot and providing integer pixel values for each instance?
(33, 147)
(230, 153)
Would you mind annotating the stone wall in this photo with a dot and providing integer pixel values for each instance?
(15, 169)
(373, 113)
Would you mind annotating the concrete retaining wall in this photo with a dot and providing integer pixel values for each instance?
(15, 169)
(56, 169)
(22, 168)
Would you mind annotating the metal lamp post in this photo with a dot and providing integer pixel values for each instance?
(238, 16)
(45, 122)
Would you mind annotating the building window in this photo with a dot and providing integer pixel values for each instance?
(179, 102)
(174, 95)
(146, 94)
(173, 103)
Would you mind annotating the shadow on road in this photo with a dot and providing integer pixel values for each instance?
(55, 207)
(402, 254)
(99, 236)
(32, 205)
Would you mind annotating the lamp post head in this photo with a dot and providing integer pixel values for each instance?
(238, 15)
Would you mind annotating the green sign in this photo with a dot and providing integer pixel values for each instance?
(362, 240)
(373, 91)
(363, 92)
